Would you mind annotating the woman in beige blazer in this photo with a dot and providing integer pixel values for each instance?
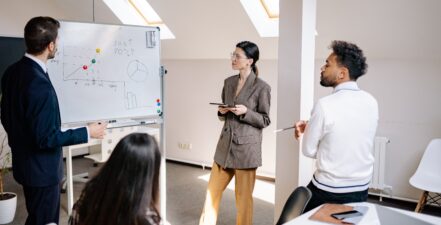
(238, 152)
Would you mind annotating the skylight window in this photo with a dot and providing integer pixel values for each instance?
(271, 8)
(138, 12)
(264, 14)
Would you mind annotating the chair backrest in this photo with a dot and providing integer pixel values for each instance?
(428, 174)
(295, 205)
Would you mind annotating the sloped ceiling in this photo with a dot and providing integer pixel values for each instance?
(209, 29)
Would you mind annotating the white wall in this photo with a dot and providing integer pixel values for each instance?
(15, 14)
(409, 101)
(408, 94)
(189, 86)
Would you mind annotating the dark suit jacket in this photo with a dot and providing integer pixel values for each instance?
(31, 117)
(240, 142)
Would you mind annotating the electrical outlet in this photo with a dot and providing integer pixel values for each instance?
(185, 146)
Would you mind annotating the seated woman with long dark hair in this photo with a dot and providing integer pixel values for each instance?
(125, 190)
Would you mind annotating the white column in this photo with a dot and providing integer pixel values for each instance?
(294, 94)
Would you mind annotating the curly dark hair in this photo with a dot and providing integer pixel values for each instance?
(350, 56)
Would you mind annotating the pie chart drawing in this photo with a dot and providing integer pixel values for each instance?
(137, 71)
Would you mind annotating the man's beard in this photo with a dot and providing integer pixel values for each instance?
(51, 55)
(326, 82)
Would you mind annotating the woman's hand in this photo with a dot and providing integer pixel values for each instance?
(223, 110)
(239, 110)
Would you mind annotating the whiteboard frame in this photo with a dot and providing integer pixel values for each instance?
(158, 117)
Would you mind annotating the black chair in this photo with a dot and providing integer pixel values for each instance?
(295, 205)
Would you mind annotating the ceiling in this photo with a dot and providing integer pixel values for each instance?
(208, 29)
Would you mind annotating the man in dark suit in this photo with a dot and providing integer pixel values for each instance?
(31, 117)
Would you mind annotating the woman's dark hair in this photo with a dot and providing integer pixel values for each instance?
(251, 52)
(350, 56)
(126, 188)
(39, 32)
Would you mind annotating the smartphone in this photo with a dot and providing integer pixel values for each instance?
(346, 214)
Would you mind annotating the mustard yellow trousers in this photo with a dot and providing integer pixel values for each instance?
(244, 186)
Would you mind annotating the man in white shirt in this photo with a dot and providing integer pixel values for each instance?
(340, 133)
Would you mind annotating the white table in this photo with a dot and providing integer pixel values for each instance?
(107, 145)
(371, 217)
(69, 176)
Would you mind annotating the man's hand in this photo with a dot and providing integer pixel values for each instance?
(97, 130)
(300, 127)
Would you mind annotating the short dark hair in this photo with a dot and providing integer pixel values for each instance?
(350, 56)
(39, 32)
(126, 188)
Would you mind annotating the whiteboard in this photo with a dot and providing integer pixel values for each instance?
(106, 72)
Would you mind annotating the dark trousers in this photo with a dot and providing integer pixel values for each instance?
(320, 197)
(42, 204)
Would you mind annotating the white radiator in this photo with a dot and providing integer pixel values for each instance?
(379, 151)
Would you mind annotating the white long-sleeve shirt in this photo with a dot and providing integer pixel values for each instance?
(340, 136)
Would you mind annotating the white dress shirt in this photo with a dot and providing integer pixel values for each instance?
(38, 61)
(340, 136)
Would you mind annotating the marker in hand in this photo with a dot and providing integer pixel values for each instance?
(97, 129)
(110, 121)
